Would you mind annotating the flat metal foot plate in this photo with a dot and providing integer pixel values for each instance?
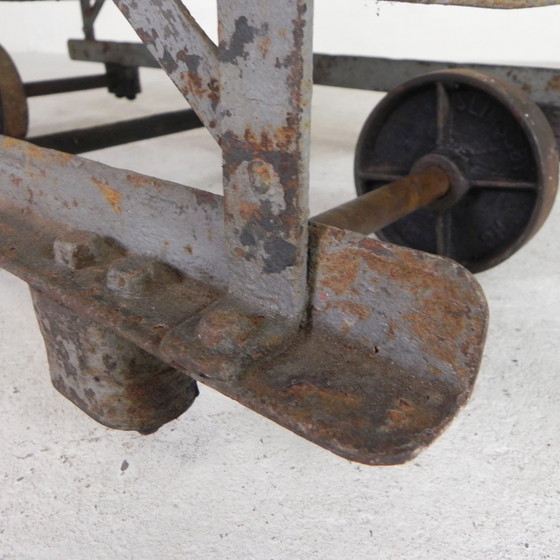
(393, 338)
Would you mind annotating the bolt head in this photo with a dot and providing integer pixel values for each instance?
(80, 249)
(137, 276)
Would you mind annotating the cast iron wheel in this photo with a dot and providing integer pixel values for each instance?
(495, 145)
(13, 101)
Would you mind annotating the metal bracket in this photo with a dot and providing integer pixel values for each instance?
(363, 347)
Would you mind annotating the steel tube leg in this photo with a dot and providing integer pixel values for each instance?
(108, 377)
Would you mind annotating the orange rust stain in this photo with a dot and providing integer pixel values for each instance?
(325, 398)
(59, 158)
(262, 171)
(36, 174)
(554, 83)
(286, 137)
(447, 319)
(264, 46)
(188, 249)
(249, 211)
(16, 181)
(357, 310)
(139, 180)
(250, 138)
(34, 152)
(112, 196)
(406, 416)
(9, 143)
(350, 308)
(339, 271)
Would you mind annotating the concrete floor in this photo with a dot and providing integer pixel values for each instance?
(222, 482)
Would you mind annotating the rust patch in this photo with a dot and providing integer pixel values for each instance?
(34, 152)
(362, 312)
(112, 196)
(59, 158)
(554, 83)
(141, 181)
(340, 271)
(264, 46)
(323, 397)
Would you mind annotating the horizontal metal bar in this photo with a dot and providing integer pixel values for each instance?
(381, 74)
(358, 72)
(104, 136)
(65, 85)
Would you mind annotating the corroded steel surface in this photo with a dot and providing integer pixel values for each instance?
(390, 350)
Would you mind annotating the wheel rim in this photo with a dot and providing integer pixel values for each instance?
(491, 131)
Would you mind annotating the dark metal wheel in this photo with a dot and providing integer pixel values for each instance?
(493, 142)
(13, 101)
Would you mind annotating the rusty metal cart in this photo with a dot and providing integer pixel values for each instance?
(143, 287)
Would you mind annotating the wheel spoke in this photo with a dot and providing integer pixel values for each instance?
(503, 184)
(443, 234)
(443, 116)
(382, 175)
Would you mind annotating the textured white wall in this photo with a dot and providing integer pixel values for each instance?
(344, 26)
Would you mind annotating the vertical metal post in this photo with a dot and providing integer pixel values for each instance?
(265, 55)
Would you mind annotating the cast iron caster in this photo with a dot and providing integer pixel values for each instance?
(494, 144)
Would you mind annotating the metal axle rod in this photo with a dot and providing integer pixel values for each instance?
(383, 206)
(65, 85)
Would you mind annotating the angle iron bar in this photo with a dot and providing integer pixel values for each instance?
(183, 50)
(356, 72)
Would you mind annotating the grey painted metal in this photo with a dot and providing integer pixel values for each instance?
(127, 54)
(365, 348)
(111, 202)
(183, 50)
(381, 74)
(266, 68)
(358, 72)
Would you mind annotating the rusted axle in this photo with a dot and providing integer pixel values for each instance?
(383, 206)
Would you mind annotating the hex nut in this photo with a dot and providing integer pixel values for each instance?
(81, 249)
(137, 276)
